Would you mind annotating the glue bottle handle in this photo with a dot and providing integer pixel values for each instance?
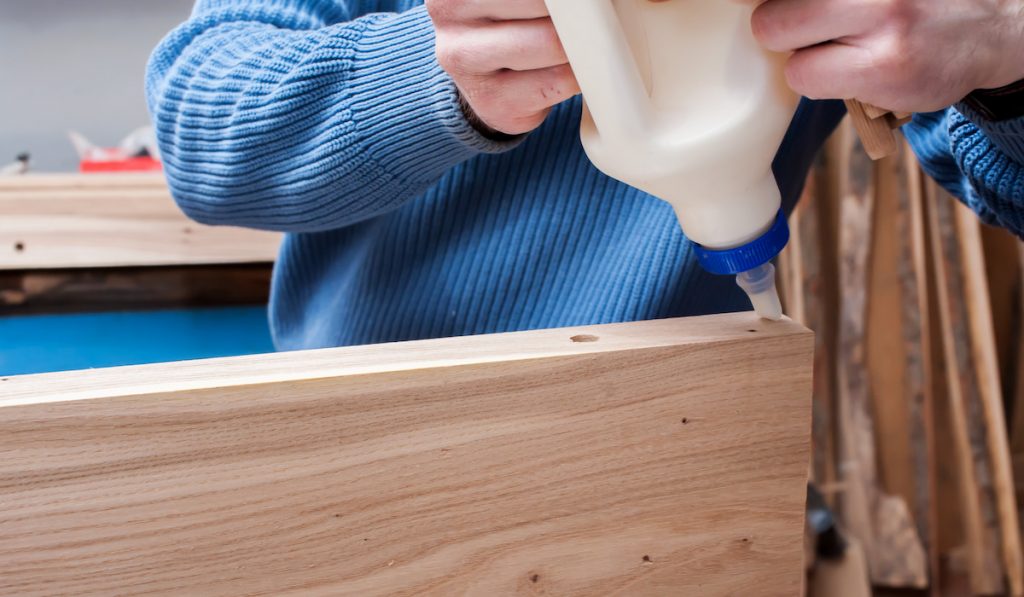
(604, 65)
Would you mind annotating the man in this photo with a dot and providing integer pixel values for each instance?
(425, 160)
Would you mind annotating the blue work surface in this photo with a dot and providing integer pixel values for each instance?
(45, 343)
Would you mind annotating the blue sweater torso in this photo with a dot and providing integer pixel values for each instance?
(403, 222)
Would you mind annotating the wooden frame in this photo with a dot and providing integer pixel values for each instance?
(654, 458)
(95, 221)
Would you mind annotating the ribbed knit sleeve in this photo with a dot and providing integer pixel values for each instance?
(287, 115)
(978, 161)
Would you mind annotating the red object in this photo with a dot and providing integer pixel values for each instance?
(144, 164)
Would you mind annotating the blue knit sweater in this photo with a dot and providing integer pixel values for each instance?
(331, 121)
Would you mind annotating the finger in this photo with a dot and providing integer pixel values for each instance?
(515, 102)
(788, 25)
(484, 10)
(514, 45)
(831, 71)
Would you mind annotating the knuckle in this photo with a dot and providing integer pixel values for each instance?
(484, 95)
(797, 81)
(451, 55)
(895, 58)
(801, 75)
(899, 15)
(443, 11)
(764, 27)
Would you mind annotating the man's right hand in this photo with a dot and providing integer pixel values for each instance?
(505, 59)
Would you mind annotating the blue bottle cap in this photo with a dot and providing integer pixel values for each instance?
(748, 256)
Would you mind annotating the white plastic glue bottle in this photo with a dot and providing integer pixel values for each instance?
(681, 102)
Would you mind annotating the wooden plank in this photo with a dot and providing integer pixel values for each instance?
(1016, 399)
(77, 222)
(922, 363)
(986, 363)
(1016, 402)
(978, 508)
(83, 181)
(654, 458)
(1003, 275)
(809, 266)
(898, 345)
(886, 345)
(880, 522)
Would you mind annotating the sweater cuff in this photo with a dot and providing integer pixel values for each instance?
(405, 107)
(1006, 135)
(996, 179)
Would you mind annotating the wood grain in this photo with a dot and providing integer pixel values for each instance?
(82, 221)
(655, 458)
(986, 362)
(979, 508)
(879, 521)
(898, 343)
(875, 128)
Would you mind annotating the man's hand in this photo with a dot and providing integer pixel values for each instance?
(903, 55)
(505, 59)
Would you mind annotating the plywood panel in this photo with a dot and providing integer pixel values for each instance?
(79, 221)
(656, 458)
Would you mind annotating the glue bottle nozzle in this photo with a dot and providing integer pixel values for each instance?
(759, 284)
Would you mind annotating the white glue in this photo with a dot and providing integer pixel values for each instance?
(681, 102)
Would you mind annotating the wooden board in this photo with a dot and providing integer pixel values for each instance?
(80, 221)
(655, 458)
(898, 344)
(986, 362)
(880, 522)
(974, 398)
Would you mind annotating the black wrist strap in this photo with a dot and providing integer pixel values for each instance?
(1005, 103)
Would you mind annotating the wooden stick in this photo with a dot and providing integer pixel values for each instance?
(986, 363)
(875, 127)
(979, 509)
(919, 337)
(879, 521)
(653, 458)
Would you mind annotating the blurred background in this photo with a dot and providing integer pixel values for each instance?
(75, 66)
(97, 265)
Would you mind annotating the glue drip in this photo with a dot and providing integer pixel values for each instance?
(759, 284)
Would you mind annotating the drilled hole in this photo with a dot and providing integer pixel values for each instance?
(19, 246)
(584, 338)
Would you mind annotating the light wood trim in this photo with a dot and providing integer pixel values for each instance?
(986, 363)
(979, 502)
(87, 221)
(655, 458)
(876, 128)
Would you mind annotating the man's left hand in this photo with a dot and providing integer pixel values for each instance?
(903, 55)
